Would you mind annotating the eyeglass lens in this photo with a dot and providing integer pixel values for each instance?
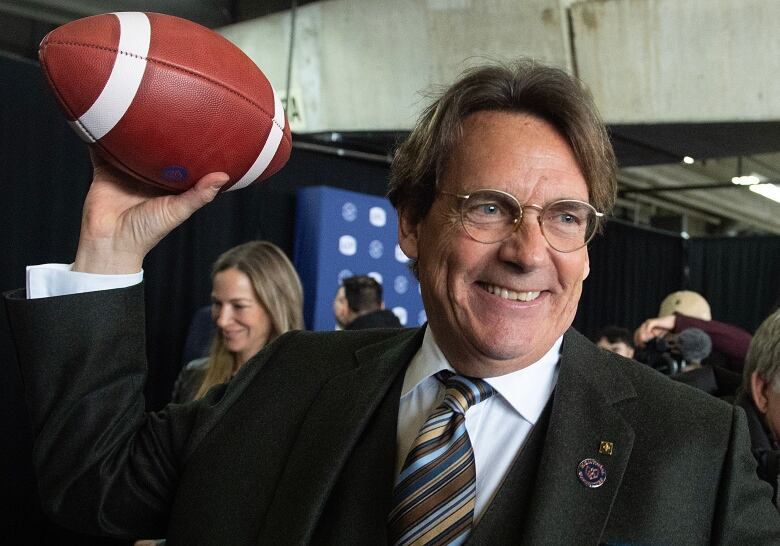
(489, 216)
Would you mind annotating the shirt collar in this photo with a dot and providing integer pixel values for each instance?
(426, 362)
(526, 390)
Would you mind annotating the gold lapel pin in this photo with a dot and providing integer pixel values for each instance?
(605, 448)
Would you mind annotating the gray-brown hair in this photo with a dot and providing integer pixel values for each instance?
(763, 355)
(524, 86)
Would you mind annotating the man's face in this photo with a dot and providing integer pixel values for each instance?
(496, 308)
(619, 347)
(341, 308)
(766, 397)
(773, 411)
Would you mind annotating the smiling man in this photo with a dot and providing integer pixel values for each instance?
(501, 304)
(496, 423)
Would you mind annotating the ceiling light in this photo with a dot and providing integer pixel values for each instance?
(688, 160)
(770, 191)
(746, 180)
(759, 176)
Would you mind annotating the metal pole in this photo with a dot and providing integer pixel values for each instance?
(293, 12)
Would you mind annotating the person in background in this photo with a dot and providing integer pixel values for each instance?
(616, 339)
(760, 398)
(358, 305)
(256, 297)
(687, 309)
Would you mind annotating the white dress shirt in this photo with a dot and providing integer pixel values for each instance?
(497, 427)
(47, 280)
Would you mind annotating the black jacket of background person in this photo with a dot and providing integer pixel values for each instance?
(766, 453)
(382, 318)
(299, 448)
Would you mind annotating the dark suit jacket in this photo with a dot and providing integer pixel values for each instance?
(382, 318)
(300, 446)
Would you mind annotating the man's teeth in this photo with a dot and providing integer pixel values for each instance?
(511, 294)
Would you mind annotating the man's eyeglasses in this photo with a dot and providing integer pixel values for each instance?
(490, 216)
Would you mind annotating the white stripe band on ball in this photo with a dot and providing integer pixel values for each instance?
(126, 75)
(269, 149)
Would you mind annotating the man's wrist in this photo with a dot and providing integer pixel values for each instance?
(95, 261)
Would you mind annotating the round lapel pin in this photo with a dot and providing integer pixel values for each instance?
(591, 473)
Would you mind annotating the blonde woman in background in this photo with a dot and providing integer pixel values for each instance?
(256, 297)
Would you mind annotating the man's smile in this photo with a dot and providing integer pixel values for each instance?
(509, 294)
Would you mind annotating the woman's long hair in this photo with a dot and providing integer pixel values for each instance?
(277, 287)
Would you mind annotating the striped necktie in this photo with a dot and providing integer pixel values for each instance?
(434, 496)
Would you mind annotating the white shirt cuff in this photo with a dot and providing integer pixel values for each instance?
(47, 280)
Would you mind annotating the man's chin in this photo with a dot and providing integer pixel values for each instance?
(491, 357)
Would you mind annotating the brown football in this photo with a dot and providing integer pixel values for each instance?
(166, 100)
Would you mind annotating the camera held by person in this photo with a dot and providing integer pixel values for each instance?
(685, 309)
(673, 353)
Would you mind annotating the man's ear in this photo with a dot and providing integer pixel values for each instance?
(757, 386)
(407, 234)
(586, 272)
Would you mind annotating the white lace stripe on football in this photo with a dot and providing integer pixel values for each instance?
(122, 85)
(269, 149)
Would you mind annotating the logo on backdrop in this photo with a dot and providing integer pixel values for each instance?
(399, 255)
(347, 245)
(401, 284)
(377, 216)
(400, 312)
(376, 249)
(349, 211)
(342, 233)
(421, 317)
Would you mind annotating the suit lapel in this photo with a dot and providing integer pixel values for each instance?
(585, 413)
(335, 423)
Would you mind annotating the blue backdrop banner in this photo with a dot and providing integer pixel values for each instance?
(341, 233)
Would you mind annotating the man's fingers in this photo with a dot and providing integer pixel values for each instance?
(216, 180)
(199, 195)
(207, 187)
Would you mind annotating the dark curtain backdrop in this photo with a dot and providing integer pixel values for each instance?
(739, 277)
(45, 175)
(632, 270)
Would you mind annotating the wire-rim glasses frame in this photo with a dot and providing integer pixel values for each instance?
(491, 216)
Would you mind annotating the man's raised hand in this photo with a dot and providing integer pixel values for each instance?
(123, 219)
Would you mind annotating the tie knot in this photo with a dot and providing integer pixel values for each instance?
(463, 392)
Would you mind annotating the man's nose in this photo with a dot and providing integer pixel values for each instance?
(527, 246)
